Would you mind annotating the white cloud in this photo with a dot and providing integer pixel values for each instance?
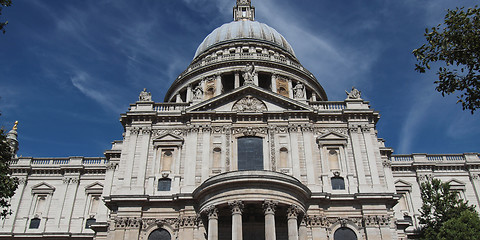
(420, 105)
(89, 87)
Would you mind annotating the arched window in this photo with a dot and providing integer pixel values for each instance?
(34, 223)
(283, 158)
(159, 234)
(338, 183)
(164, 184)
(217, 155)
(250, 153)
(167, 157)
(333, 159)
(344, 233)
(89, 222)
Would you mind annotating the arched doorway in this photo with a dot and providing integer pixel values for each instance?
(160, 234)
(344, 233)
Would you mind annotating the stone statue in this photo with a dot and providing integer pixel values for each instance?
(299, 90)
(198, 92)
(354, 94)
(249, 74)
(145, 96)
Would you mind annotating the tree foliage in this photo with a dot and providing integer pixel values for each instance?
(442, 210)
(4, 3)
(465, 227)
(8, 184)
(456, 46)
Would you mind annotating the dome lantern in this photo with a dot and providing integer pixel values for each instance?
(244, 11)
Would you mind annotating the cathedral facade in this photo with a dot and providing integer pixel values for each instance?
(246, 145)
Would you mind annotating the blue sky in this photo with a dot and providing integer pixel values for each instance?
(68, 69)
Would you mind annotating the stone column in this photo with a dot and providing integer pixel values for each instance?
(269, 210)
(212, 223)
(292, 214)
(290, 88)
(237, 207)
(189, 94)
(16, 200)
(218, 85)
(255, 79)
(475, 179)
(237, 80)
(358, 158)
(302, 231)
(274, 83)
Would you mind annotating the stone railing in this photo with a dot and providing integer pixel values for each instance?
(438, 158)
(401, 158)
(328, 105)
(170, 107)
(45, 162)
(239, 56)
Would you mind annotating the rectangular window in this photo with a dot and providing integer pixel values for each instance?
(250, 153)
(164, 184)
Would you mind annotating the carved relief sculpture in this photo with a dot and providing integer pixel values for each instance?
(249, 104)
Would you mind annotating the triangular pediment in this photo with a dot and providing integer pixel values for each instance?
(456, 184)
(43, 188)
(168, 137)
(402, 183)
(95, 187)
(403, 186)
(332, 136)
(250, 99)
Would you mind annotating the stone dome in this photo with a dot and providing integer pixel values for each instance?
(244, 30)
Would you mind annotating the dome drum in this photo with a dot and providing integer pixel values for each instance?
(269, 75)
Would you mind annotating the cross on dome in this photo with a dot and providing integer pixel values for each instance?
(244, 11)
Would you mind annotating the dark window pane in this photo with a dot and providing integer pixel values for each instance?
(160, 234)
(34, 223)
(338, 183)
(250, 153)
(89, 222)
(164, 184)
(345, 234)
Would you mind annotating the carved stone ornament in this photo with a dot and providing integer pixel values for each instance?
(121, 222)
(249, 104)
(249, 74)
(293, 211)
(376, 221)
(212, 212)
(22, 180)
(250, 131)
(424, 177)
(148, 222)
(354, 94)
(236, 207)
(189, 221)
(269, 207)
(160, 132)
(145, 96)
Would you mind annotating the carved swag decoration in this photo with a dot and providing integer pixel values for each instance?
(249, 104)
